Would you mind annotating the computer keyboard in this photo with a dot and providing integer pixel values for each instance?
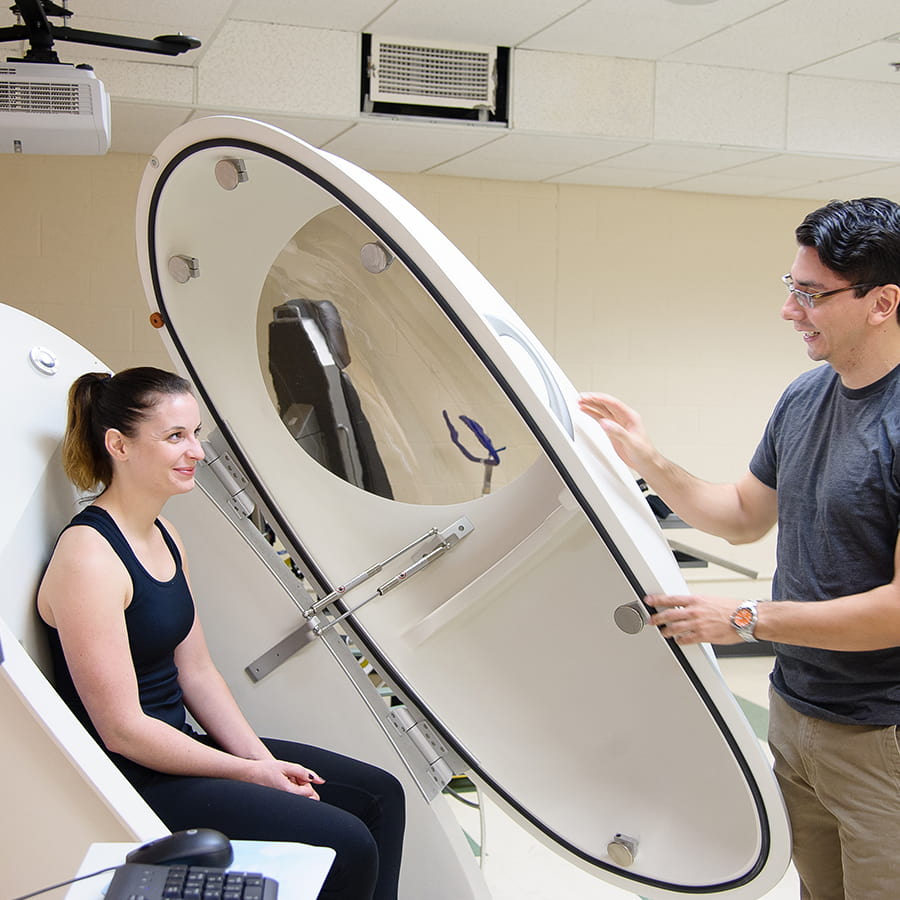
(138, 881)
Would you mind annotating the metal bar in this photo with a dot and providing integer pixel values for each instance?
(167, 45)
(389, 585)
(39, 32)
(281, 652)
(449, 538)
(717, 560)
(357, 580)
(486, 481)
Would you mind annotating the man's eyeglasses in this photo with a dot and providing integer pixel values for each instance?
(809, 301)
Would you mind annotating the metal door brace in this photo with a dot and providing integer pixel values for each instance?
(449, 538)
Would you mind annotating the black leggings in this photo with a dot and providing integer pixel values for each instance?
(361, 815)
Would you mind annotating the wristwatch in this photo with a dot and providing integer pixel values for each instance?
(744, 620)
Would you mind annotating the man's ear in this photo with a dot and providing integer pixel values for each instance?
(116, 444)
(886, 301)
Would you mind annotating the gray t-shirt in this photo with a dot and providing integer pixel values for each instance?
(831, 454)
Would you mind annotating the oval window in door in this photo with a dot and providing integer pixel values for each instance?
(371, 383)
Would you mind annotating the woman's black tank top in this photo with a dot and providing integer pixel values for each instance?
(158, 619)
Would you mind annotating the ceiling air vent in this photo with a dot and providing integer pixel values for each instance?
(425, 78)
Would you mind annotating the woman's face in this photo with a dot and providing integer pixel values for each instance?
(165, 450)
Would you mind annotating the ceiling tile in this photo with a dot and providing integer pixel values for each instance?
(346, 15)
(388, 146)
(846, 118)
(605, 174)
(713, 105)
(793, 34)
(725, 183)
(281, 68)
(807, 167)
(684, 158)
(172, 14)
(874, 62)
(147, 82)
(560, 92)
(821, 192)
(473, 166)
(531, 157)
(884, 183)
(640, 29)
(498, 23)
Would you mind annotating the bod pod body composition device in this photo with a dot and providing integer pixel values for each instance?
(382, 418)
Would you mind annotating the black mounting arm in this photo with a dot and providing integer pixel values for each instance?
(40, 34)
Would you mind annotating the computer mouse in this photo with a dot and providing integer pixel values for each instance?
(194, 847)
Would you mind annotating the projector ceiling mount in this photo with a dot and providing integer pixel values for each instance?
(37, 30)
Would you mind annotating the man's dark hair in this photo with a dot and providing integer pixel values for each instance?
(858, 239)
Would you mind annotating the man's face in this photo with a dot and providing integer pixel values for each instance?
(835, 330)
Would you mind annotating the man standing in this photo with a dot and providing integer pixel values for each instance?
(827, 470)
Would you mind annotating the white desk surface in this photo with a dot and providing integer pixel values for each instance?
(299, 869)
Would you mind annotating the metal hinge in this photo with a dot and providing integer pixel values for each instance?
(232, 478)
(426, 740)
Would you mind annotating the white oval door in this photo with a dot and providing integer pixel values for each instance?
(394, 410)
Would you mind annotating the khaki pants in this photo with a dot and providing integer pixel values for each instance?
(841, 784)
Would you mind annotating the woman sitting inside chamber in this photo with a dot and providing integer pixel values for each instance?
(131, 660)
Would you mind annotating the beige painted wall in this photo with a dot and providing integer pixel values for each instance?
(670, 300)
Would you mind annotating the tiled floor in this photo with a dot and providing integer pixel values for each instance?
(517, 867)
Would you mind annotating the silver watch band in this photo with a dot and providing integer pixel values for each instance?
(744, 619)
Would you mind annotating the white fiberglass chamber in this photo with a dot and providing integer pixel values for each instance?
(391, 424)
